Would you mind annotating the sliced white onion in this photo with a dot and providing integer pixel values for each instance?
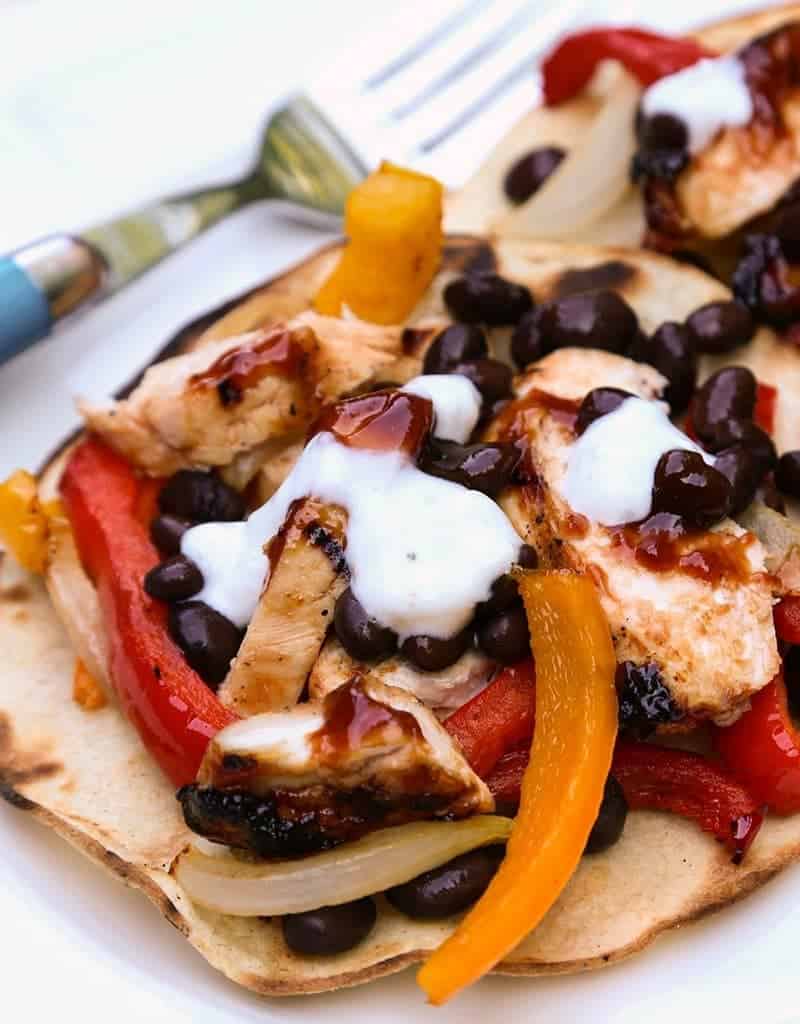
(367, 866)
(77, 605)
(781, 539)
(592, 179)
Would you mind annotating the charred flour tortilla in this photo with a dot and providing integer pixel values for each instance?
(482, 206)
(88, 776)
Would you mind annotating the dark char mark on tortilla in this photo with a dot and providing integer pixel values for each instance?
(612, 274)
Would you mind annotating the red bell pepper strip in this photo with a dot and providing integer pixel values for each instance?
(505, 779)
(685, 783)
(174, 711)
(664, 779)
(763, 748)
(786, 615)
(647, 55)
(497, 718)
(764, 413)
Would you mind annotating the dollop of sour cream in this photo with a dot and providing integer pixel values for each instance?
(612, 465)
(422, 551)
(456, 403)
(706, 96)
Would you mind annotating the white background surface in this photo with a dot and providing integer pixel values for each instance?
(103, 105)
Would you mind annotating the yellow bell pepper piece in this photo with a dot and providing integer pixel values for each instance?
(24, 520)
(573, 741)
(393, 221)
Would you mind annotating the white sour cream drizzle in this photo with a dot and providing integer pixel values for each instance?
(422, 551)
(611, 467)
(706, 96)
(456, 402)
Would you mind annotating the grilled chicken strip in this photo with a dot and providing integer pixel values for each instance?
(713, 640)
(285, 783)
(289, 624)
(214, 406)
(443, 691)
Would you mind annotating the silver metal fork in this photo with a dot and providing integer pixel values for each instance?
(438, 103)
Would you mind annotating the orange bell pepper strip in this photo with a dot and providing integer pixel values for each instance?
(86, 691)
(573, 742)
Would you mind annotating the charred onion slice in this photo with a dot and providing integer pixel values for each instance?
(389, 857)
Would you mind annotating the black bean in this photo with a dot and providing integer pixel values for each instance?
(433, 654)
(505, 637)
(601, 320)
(176, 579)
(599, 402)
(504, 590)
(456, 344)
(201, 497)
(504, 594)
(670, 349)
(686, 486)
(361, 636)
(330, 930)
(662, 131)
(721, 326)
(487, 298)
(662, 146)
(208, 640)
(491, 377)
(787, 473)
(763, 281)
(527, 340)
(448, 889)
(531, 171)
(744, 473)
(610, 822)
(769, 495)
(730, 393)
(480, 467)
(787, 228)
(644, 700)
(528, 557)
(166, 532)
(751, 436)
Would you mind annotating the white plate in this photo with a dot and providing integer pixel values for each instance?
(75, 942)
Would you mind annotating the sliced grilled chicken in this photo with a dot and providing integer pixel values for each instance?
(289, 782)
(441, 691)
(228, 398)
(713, 639)
(289, 624)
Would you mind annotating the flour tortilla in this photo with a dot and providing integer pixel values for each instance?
(87, 775)
(481, 205)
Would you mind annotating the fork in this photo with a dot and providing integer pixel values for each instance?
(473, 69)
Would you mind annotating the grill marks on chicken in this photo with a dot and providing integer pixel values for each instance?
(292, 617)
(290, 782)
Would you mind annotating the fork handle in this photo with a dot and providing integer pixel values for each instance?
(42, 282)
(46, 280)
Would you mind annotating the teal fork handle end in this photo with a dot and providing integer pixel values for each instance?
(24, 310)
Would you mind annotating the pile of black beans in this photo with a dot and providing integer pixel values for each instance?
(499, 628)
(208, 640)
(604, 320)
